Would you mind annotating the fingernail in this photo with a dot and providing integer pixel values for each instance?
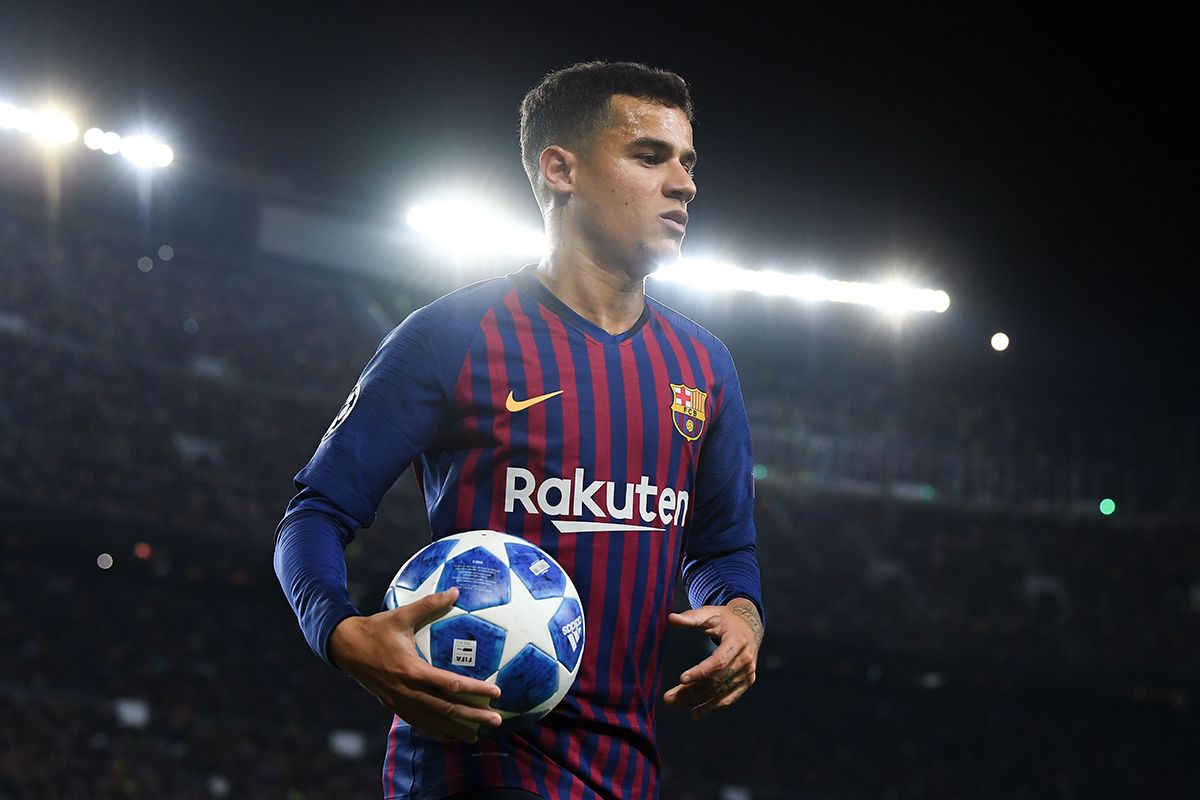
(685, 677)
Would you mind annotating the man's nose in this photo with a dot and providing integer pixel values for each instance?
(680, 184)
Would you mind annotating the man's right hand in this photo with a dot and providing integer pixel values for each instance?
(379, 651)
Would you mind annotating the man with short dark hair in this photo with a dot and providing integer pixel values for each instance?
(563, 375)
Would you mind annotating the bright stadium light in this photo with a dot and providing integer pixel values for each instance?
(50, 127)
(16, 119)
(467, 228)
(146, 152)
(711, 275)
(8, 116)
(53, 128)
(110, 143)
(93, 138)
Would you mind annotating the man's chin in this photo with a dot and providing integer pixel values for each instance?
(655, 261)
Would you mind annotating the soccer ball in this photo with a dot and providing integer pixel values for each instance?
(517, 622)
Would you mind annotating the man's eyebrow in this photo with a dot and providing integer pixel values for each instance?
(688, 157)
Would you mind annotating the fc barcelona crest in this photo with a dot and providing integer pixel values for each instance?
(687, 410)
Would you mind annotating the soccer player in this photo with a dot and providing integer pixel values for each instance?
(561, 404)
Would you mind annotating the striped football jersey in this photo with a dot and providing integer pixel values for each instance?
(626, 457)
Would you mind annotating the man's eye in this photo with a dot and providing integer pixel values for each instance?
(650, 158)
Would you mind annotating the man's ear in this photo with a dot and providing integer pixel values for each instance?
(558, 167)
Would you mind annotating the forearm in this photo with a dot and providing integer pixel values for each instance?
(311, 567)
(717, 580)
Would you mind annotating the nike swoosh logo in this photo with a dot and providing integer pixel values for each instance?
(520, 405)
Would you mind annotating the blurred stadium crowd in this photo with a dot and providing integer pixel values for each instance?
(948, 614)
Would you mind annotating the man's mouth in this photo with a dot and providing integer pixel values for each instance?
(676, 219)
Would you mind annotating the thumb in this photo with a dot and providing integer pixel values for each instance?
(430, 607)
(692, 618)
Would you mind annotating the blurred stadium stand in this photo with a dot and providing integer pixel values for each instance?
(949, 614)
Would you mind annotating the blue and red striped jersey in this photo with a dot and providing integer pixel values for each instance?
(626, 457)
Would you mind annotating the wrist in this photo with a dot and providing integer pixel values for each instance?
(342, 640)
(747, 611)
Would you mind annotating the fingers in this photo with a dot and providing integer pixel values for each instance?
(435, 702)
(457, 715)
(428, 609)
(729, 658)
(451, 683)
(456, 710)
(728, 668)
(445, 694)
(723, 677)
(433, 713)
(689, 695)
(733, 691)
(713, 620)
(694, 618)
(704, 697)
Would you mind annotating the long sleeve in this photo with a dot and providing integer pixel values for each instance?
(391, 417)
(717, 579)
(310, 563)
(719, 561)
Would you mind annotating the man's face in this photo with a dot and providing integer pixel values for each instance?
(634, 183)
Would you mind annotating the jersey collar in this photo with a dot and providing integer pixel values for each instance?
(527, 281)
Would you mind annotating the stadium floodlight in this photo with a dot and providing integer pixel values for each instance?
(467, 228)
(717, 276)
(110, 143)
(93, 138)
(8, 116)
(53, 128)
(145, 151)
(15, 119)
(50, 127)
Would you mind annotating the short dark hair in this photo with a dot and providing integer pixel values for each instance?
(570, 105)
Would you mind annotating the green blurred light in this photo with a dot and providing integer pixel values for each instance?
(759, 472)
(1107, 506)
(928, 492)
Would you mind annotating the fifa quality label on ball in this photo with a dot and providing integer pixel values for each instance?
(464, 652)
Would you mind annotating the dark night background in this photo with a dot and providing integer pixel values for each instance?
(990, 637)
(1038, 167)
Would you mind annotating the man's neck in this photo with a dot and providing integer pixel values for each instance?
(607, 297)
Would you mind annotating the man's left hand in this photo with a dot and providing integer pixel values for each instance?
(723, 677)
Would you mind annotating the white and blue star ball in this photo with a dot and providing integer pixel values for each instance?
(517, 622)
